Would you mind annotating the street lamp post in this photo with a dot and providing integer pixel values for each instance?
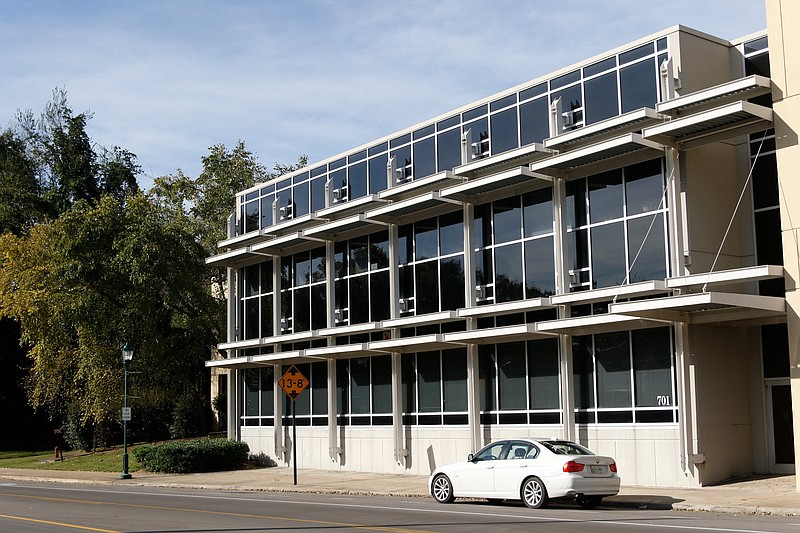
(127, 355)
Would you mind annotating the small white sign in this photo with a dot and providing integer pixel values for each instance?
(126, 414)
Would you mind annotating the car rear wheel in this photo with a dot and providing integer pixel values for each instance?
(589, 502)
(442, 489)
(534, 493)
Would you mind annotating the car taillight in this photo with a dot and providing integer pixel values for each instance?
(613, 467)
(572, 466)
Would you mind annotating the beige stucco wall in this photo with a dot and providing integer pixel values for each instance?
(721, 356)
(783, 19)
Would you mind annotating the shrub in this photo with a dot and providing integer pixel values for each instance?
(201, 455)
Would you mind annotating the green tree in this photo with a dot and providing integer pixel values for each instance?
(20, 194)
(99, 275)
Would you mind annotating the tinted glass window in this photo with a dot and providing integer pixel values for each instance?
(765, 182)
(359, 296)
(612, 353)
(251, 318)
(508, 273)
(651, 260)
(427, 293)
(425, 239)
(539, 268)
(454, 379)
(652, 367)
(608, 255)
(507, 220)
(583, 371)
(511, 375)
(504, 131)
(357, 179)
(538, 212)
(302, 309)
(379, 296)
(474, 113)
(775, 351)
(424, 158)
(302, 269)
(605, 196)
(381, 384)
(486, 377)
(359, 385)
(319, 309)
(267, 329)
(576, 204)
(452, 282)
(251, 216)
(449, 149)
(377, 174)
(429, 380)
(301, 199)
(359, 255)
(644, 187)
(600, 66)
(318, 194)
(601, 97)
(379, 250)
(565, 79)
(638, 86)
(451, 233)
(532, 92)
(405, 246)
(636, 53)
(543, 383)
(534, 123)
(571, 100)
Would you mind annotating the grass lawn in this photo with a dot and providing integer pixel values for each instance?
(109, 460)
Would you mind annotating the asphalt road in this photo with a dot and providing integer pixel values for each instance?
(27, 507)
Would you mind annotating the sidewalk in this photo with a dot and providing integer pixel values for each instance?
(754, 495)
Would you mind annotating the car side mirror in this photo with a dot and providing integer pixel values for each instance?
(471, 458)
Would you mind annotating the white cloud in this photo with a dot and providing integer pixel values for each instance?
(168, 79)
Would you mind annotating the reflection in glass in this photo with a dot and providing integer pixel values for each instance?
(429, 379)
(605, 196)
(426, 242)
(357, 180)
(612, 354)
(508, 273)
(452, 282)
(601, 97)
(427, 293)
(507, 219)
(379, 296)
(652, 364)
(651, 260)
(644, 187)
(451, 233)
(534, 121)
(359, 298)
(543, 373)
(377, 173)
(608, 255)
(504, 131)
(302, 309)
(449, 149)
(539, 268)
(424, 158)
(638, 86)
(511, 375)
(538, 212)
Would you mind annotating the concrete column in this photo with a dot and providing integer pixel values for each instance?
(783, 19)
(562, 287)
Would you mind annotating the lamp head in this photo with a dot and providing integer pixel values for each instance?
(127, 353)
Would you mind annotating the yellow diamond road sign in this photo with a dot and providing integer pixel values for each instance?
(293, 382)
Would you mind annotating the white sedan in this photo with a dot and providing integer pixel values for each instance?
(530, 470)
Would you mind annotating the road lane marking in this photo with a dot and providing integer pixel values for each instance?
(482, 513)
(207, 512)
(62, 524)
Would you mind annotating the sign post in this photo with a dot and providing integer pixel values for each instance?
(293, 383)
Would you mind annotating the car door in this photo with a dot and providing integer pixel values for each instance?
(477, 476)
(515, 466)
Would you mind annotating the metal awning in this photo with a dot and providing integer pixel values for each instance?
(291, 356)
(244, 239)
(741, 89)
(418, 186)
(232, 362)
(505, 308)
(510, 159)
(603, 151)
(343, 351)
(727, 277)
(716, 124)
(421, 343)
(354, 329)
(645, 288)
(472, 190)
(418, 320)
(332, 230)
(585, 325)
(291, 224)
(300, 336)
(350, 206)
(521, 332)
(706, 307)
(632, 120)
(239, 345)
(277, 245)
(396, 212)
(232, 258)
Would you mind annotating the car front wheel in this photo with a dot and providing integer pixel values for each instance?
(534, 493)
(442, 489)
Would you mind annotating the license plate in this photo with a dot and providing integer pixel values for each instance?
(597, 469)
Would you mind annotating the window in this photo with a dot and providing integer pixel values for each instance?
(361, 286)
(519, 383)
(624, 377)
(255, 305)
(435, 387)
(616, 227)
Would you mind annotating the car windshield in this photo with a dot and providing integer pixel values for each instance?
(565, 448)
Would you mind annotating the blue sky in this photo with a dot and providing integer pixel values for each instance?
(167, 79)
